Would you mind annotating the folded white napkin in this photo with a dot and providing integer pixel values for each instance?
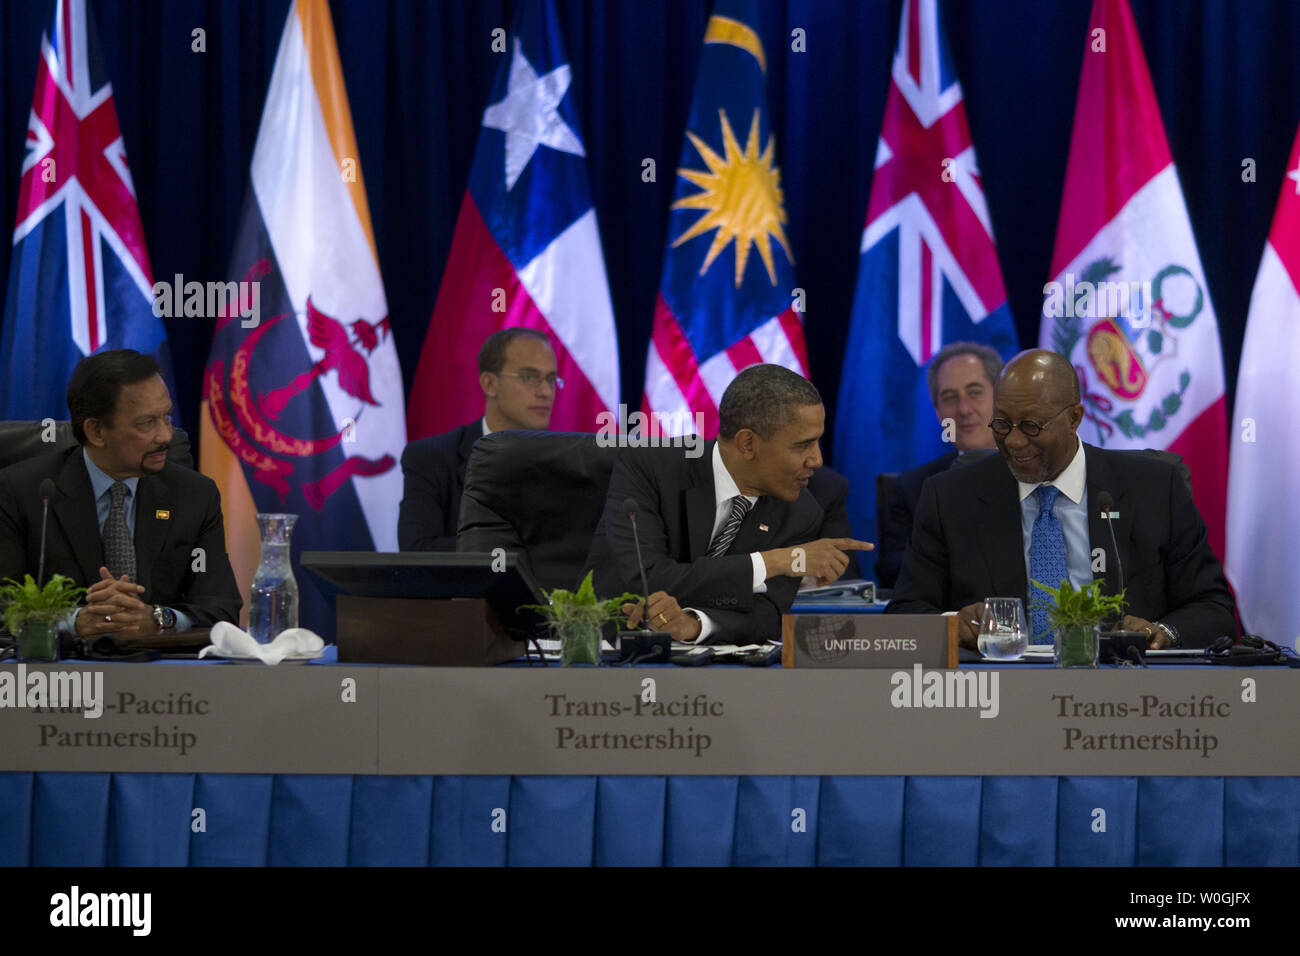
(230, 641)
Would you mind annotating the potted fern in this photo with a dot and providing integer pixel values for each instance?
(576, 618)
(1075, 617)
(32, 614)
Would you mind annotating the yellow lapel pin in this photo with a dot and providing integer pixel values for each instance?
(162, 515)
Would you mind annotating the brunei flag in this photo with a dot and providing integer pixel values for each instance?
(302, 395)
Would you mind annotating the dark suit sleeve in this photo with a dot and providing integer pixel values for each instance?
(924, 583)
(763, 622)
(894, 536)
(13, 540)
(209, 595)
(421, 525)
(1195, 586)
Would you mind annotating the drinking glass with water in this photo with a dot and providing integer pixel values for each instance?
(1004, 636)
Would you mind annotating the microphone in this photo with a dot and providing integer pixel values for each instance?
(46, 491)
(644, 644)
(1107, 505)
(630, 509)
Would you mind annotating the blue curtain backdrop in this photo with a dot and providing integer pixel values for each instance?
(419, 73)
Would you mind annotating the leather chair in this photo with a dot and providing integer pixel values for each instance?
(540, 494)
(22, 440)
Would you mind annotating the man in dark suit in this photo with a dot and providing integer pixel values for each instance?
(124, 521)
(961, 377)
(517, 374)
(1031, 513)
(717, 531)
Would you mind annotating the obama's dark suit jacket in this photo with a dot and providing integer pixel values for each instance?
(967, 544)
(176, 511)
(674, 496)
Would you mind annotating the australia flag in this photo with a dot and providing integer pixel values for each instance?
(928, 273)
(79, 279)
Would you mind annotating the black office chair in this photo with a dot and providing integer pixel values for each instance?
(22, 440)
(540, 494)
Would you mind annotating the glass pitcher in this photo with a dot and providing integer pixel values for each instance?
(273, 598)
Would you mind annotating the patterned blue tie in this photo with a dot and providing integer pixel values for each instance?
(740, 506)
(1046, 558)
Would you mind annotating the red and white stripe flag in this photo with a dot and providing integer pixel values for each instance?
(1128, 302)
(1263, 509)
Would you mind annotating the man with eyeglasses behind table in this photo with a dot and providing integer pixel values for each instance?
(124, 522)
(516, 369)
(1031, 513)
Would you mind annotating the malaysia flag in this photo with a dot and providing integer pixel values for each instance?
(728, 296)
(1263, 517)
(1128, 302)
(79, 279)
(302, 402)
(928, 273)
(526, 250)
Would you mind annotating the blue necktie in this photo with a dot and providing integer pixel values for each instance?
(1046, 558)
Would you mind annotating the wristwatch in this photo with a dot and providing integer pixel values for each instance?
(1171, 632)
(164, 617)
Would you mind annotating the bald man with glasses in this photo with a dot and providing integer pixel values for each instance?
(1030, 513)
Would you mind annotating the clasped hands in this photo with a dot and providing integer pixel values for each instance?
(113, 606)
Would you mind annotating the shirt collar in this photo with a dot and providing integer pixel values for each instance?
(1072, 481)
(724, 486)
(101, 482)
(486, 430)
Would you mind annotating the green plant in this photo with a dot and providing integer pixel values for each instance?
(26, 601)
(576, 617)
(1085, 607)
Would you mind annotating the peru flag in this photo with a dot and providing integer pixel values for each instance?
(526, 251)
(1263, 515)
(727, 298)
(302, 402)
(1128, 302)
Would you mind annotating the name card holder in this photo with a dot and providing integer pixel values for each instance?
(892, 641)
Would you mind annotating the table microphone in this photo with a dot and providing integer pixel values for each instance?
(630, 509)
(46, 491)
(1107, 505)
(643, 644)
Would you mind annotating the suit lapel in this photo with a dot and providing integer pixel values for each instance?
(755, 530)
(1000, 536)
(700, 506)
(74, 509)
(1102, 478)
(153, 520)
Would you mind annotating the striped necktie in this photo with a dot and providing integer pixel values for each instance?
(740, 506)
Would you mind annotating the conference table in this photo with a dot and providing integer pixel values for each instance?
(112, 814)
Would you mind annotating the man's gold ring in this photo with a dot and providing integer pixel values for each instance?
(661, 618)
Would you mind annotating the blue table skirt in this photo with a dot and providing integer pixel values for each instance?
(93, 819)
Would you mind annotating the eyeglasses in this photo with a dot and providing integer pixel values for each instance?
(532, 379)
(1029, 428)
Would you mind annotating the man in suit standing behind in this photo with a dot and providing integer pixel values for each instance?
(124, 521)
(1030, 514)
(516, 370)
(961, 377)
(717, 531)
